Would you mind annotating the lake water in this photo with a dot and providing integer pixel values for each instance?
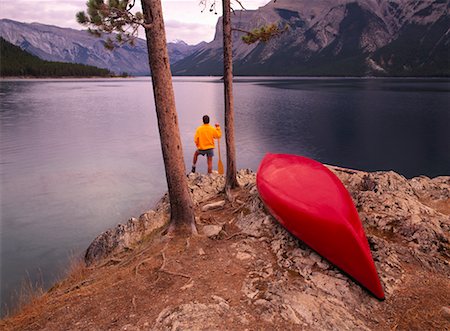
(79, 156)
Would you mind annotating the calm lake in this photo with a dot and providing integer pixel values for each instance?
(79, 156)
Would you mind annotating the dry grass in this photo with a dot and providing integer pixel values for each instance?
(27, 293)
(31, 298)
(80, 284)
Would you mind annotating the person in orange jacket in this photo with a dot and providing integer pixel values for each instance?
(204, 140)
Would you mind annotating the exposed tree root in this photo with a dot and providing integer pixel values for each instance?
(162, 268)
(133, 301)
(112, 260)
(136, 269)
(228, 194)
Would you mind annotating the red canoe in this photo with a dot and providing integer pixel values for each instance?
(312, 203)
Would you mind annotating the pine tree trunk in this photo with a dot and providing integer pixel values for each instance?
(231, 180)
(181, 205)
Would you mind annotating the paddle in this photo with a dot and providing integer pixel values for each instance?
(219, 165)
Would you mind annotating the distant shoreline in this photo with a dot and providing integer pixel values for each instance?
(219, 76)
(65, 77)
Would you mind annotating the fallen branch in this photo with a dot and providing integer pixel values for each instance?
(214, 205)
(238, 209)
(176, 274)
(247, 235)
(234, 235)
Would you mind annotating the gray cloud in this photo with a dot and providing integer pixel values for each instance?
(43, 11)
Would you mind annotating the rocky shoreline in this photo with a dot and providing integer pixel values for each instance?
(246, 272)
(416, 210)
(406, 222)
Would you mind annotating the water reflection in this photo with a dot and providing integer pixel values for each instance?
(357, 124)
(79, 156)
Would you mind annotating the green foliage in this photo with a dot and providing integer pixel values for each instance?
(16, 62)
(82, 18)
(264, 33)
(111, 16)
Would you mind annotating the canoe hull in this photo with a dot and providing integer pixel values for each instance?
(312, 203)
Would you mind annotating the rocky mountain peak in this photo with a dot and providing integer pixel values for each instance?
(344, 37)
(325, 38)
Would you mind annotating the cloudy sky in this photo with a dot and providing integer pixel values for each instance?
(183, 18)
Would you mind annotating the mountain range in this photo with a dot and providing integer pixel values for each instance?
(335, 37)
(324, 37)
(54, 43)
(15, 62)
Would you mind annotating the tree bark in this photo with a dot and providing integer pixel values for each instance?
(230, 180)
(181, 206)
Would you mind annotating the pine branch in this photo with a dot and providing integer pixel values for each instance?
(262, 34)
(114, 16)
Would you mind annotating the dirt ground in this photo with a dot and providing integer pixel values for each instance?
(135, 290)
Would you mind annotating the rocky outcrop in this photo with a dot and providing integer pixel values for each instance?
(286, 283)
(124, 236)
(415, 210)
(408, 208)
(187, 316)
